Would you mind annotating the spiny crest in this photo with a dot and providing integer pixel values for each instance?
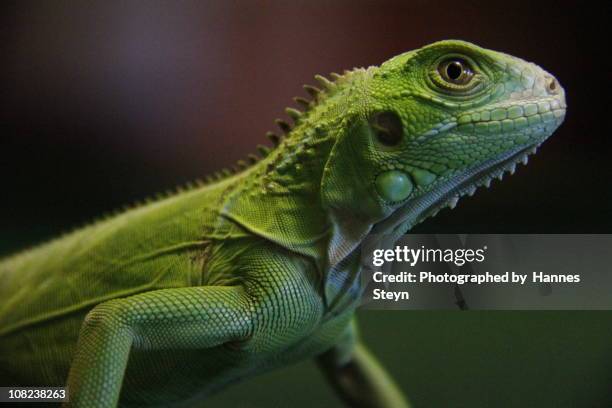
(317, 95)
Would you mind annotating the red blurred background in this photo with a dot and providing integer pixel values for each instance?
(102, 103)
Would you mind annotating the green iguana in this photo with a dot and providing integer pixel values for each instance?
(259, 268)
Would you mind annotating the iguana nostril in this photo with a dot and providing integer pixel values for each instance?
(551, 85)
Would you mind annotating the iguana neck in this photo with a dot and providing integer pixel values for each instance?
(280, 197)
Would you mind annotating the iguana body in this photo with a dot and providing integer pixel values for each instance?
(261, 268)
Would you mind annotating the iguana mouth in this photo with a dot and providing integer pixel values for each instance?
(542, 115)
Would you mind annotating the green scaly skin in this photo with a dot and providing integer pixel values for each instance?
(260, 269)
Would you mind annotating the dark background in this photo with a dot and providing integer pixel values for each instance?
(103, 103)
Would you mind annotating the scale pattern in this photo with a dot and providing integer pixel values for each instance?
(167, 302)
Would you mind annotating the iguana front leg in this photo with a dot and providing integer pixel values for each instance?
(195, 317)
(357, 377)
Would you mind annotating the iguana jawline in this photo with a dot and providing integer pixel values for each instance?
(428, 205)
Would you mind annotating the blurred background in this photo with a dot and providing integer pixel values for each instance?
(103, 103)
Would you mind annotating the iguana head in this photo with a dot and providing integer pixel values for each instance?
(431, 125)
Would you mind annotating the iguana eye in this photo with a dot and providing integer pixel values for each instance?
(456, 71)
(387, 128)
